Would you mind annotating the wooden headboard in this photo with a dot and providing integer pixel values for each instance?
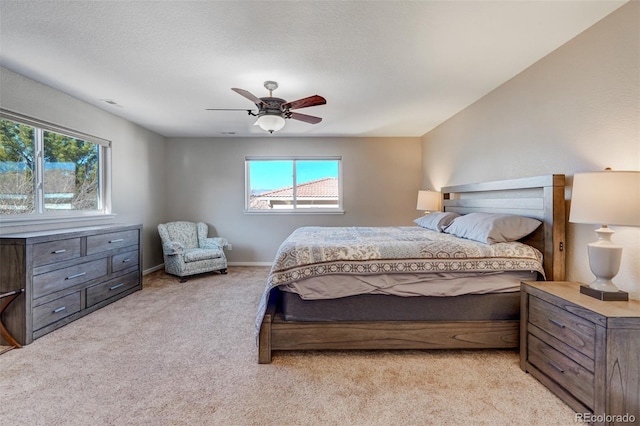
(539, 197)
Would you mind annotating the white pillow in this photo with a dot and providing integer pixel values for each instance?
(436, 221)
(490, 228)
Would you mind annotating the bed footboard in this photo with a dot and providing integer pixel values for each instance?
(277, 334)
(264, 336)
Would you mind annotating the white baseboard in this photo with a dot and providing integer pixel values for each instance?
(153, 269)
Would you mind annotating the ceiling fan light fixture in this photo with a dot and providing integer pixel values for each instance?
(272, 112)
(270, 122)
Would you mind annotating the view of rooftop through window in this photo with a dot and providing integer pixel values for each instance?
(293, 184)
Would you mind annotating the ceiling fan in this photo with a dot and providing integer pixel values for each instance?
(273, 111)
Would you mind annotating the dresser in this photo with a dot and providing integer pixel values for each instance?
(66, 274)
(584, 350)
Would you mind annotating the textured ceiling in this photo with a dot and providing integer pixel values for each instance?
(386, 68)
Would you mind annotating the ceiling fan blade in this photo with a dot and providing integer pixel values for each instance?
(304, 117)
(248, 111)
(253, 98)
(304, 102)
(227, 109)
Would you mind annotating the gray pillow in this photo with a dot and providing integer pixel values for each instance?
(436, 221)
(490, 228)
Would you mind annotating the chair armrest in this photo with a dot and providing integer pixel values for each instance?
(214, 243)
(173, 248)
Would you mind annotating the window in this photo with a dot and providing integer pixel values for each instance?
(47, 171)
(301, 185)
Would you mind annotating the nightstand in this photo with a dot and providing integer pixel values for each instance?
(584, 350)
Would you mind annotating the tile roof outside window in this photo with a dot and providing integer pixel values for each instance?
(321, 193)
(321, 188)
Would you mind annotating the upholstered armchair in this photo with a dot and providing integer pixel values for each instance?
(188, 251)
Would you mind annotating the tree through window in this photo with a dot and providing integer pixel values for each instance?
(44, 169)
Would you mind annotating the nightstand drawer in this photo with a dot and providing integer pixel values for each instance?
(576, 332)
(567, 373)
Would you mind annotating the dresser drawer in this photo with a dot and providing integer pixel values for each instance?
(104, 291)
(124, 261)
(576, 332)
(570, 375)
(60, 279)
(55, 310)
(111, 241)
(55, 251)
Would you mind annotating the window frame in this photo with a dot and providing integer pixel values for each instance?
(40, 215)
(295, 209)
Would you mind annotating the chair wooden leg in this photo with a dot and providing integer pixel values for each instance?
(223, 271)
(3, 331)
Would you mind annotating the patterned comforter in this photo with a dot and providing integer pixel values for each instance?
(314, 251)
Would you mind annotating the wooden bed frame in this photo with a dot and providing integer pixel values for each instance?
(540, 197)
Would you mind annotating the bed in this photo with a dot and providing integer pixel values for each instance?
(294, 315)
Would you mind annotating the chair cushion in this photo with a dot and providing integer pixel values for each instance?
(196, 254)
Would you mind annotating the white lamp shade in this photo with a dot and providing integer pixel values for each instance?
(270, 123)
(428, 200)
(606, 198)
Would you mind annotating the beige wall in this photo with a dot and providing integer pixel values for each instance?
(205, 180)
(137, 156)
(576, 110)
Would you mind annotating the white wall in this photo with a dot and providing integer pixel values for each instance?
(576, 110)
(137, 154)
(205, 180)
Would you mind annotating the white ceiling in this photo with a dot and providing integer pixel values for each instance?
(386, 68)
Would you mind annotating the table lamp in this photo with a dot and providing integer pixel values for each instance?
(428, 201)
(605, 198)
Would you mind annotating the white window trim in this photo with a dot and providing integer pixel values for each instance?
(40, 216)
(295, 210)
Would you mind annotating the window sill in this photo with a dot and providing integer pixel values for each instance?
(6, 221)
(293, 212)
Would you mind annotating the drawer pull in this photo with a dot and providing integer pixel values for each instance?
(556, 323)
(76, 275)
(126, 260)
(58, 310)
(561, 370)
(118, 240)
(116, 286)
(59, 251)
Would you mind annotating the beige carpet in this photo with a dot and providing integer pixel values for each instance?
(185, 354)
